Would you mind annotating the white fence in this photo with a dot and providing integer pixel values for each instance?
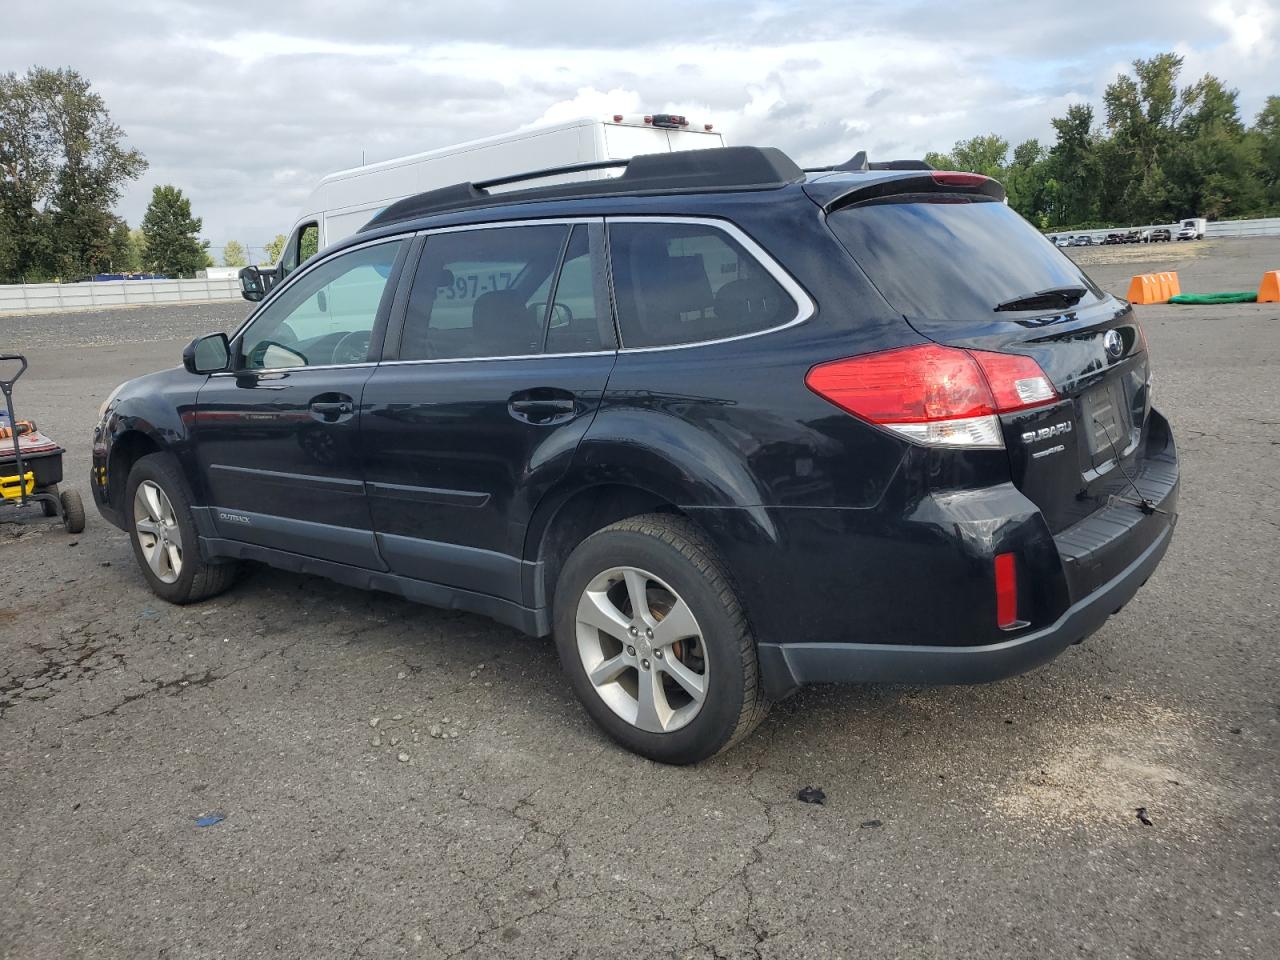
(42, 297)
(1243, 228)
(1268, 227)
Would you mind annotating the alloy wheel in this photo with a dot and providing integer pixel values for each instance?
(642, 649)
(156, 527)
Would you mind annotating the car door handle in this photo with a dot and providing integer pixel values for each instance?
(331, 411)
(543, 406)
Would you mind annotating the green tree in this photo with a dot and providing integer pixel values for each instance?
(1214, 167)
(1266, 138)
(170, 234)
(1143, 114)
(1161, 154)
(1024, 179)
(62, 167)
(126, 249)
(984, 154)
(1073, 169)
(233, 255)
(275, 247)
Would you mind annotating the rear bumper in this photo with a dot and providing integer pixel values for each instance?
(789, 665)
(906, 594)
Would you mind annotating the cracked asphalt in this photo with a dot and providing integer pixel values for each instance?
(981, 822)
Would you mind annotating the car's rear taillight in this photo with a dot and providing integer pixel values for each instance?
(942, 396)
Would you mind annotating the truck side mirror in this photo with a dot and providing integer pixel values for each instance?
(252, 284)
(211, 354)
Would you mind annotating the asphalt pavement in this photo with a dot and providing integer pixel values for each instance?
(400, 781)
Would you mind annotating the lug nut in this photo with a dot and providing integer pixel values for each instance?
(631, 651)
(645, 664)
(657, 654)
(634, 631)
(648, 633)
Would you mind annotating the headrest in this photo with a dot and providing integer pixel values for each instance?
(501, 324)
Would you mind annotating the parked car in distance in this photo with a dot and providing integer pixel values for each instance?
(1157, 235)
(1061, 241)
(1082, 241)
(701, 423)
(1193, 229)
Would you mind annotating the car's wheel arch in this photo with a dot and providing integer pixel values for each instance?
(579, 507)
(128, 446)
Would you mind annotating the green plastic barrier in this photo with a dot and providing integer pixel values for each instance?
(1245, 296)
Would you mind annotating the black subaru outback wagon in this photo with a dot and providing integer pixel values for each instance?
(721, 426)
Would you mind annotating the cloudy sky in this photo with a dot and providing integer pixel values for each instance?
(246, 105)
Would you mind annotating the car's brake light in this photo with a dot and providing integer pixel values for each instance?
(936, 395)
(953, 178)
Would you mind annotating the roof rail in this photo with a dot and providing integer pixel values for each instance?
(683, 171)
(858, 163)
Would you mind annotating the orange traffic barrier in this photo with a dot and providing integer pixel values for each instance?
(1154, 287)
(1269, 290)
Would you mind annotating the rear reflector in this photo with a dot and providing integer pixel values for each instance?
(1006, 590)
(935, 395)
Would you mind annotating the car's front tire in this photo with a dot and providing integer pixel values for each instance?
(163, 532)
(655, 643)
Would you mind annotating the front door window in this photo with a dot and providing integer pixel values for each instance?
(325, 317)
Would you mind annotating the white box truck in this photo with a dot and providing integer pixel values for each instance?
(1193, 228)
(345, 201)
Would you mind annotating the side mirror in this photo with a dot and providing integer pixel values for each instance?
(252, 286)
(211, 354)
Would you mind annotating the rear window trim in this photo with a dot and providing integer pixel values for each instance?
(806, 308)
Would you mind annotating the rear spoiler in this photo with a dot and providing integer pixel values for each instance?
(834, 192)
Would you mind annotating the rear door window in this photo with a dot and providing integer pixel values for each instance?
(688, 282)
(954, 258)
(482, 293)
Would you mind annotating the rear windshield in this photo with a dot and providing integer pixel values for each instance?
(953, 258)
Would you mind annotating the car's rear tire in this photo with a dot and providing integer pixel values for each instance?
(676, 694)
(163, 532)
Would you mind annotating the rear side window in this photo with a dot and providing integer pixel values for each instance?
(687, 282)
(482, 293)
(953, 258)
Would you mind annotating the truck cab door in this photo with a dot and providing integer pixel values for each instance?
(303, 244)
